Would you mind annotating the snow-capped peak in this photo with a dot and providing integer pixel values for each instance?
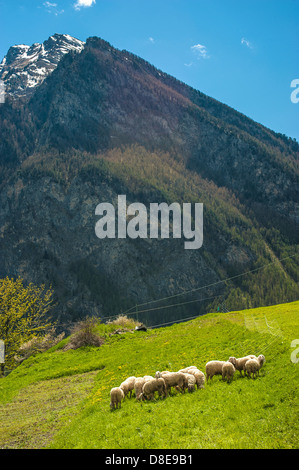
(25, 67)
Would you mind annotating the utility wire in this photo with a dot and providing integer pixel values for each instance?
(209, 285)
(167, 306)
(174, 321)
(191, 291)
(177, 305)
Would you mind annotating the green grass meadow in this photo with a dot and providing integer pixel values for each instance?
(60, 399)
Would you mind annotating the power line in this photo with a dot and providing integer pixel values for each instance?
(190, 291)
(177, 305)
(175, 321)
(167, 306)
(208, 285)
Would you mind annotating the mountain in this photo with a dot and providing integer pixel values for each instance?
(25, 67)
(104, 123)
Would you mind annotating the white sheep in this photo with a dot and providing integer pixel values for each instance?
(239, 363)
(148, 377)
(186, 370)
(228, 371)
(213, 368)
(175, 379)
(252, 366)
(138, 385)
(128, 385)
(191, 381)
(199, 377)
(159, 374)
(152, 386)
(116, 396)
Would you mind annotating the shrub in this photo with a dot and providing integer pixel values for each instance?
(124, 322)
(84, 333)
(38, 344)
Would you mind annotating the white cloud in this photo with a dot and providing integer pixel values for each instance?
(50, 5)
(151, 40)
(246, 43)
(52, 8)
(83, 3)
(200, 51)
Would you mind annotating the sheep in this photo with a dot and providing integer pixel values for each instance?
(148, 377)
(191, 381)
(128, 385)
(159, 374)
(187, 369)
(152, 386)
(228, 371)
(252, 366)
(116, 396)
(213, 368)
(175, 379)
(199, 377)
(184, 371)
(239, 363)
(138, 385)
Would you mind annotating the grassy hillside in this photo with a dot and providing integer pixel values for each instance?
(60, 399)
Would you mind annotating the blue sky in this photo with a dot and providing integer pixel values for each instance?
(242, 52)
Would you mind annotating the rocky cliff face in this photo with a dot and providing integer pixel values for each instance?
(104, 123)
(26, 67)
(48, 233)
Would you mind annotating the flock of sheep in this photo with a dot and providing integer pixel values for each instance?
(185, 379)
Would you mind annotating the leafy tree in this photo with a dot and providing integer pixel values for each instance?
(23, 314)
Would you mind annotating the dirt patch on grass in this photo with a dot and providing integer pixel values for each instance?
(35, 415)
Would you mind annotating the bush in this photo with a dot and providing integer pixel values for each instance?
(38, 344)
(84, 333)
(124, 322)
